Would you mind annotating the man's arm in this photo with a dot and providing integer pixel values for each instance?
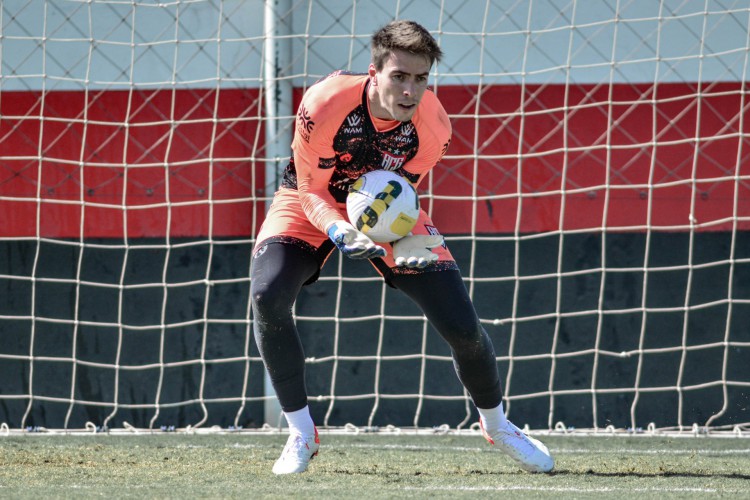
(434, 129)
(317, 123)
(312, 184)
(320, 207)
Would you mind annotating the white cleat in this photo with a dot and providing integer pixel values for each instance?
(297, 454)
(529, 453)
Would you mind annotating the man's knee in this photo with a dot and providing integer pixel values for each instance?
(466, 338)
(278, 273)
(268, 299)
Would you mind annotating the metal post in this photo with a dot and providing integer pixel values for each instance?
(279, 129)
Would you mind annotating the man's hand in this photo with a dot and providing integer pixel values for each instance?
(414, 250)
(352, 243)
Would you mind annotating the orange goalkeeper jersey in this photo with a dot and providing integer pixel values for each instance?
(337, 140)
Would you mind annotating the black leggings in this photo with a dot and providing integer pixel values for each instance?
(280, 270)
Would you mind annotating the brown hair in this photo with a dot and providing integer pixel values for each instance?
(403, 35)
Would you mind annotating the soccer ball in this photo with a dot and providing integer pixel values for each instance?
(383, 205)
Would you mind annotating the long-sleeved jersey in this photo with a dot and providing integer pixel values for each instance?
(337, 139)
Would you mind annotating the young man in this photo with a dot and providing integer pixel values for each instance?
(348, 125)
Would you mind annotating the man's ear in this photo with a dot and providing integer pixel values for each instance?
(372, 72)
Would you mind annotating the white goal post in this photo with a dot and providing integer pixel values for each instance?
(596, 194)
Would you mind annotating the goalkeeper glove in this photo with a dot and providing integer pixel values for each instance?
(414, 250)
(352, 243)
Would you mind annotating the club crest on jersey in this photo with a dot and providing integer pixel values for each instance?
(392, 162)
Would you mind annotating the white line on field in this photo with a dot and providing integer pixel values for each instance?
(558, 489)
(630, 451)
(584, 451)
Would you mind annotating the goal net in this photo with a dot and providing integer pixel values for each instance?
(596, 195)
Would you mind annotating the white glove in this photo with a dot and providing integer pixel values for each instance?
(352, 243)
(414, 250)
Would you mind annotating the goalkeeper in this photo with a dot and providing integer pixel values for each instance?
(349, 124)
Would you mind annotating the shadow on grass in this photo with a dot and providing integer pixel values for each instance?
(590, 472)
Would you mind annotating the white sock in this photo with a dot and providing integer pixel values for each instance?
(300, 422)
(493, 419)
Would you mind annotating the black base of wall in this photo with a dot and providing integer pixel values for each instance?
(634, 349)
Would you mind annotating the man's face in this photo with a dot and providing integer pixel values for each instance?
(397, 89)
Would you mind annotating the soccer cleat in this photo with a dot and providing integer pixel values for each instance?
(297, 454)
(530, 453)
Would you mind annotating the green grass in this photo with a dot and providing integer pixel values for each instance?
(367, 465)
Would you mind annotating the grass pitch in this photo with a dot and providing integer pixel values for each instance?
(172, 465)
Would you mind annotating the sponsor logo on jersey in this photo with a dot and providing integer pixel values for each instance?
(445, 148)
(432, 230)
(354, 123)
(404, 135)
(305, 123)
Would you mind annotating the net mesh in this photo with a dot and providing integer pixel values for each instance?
(596, 194)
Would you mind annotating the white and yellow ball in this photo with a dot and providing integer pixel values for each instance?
(383, 205)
